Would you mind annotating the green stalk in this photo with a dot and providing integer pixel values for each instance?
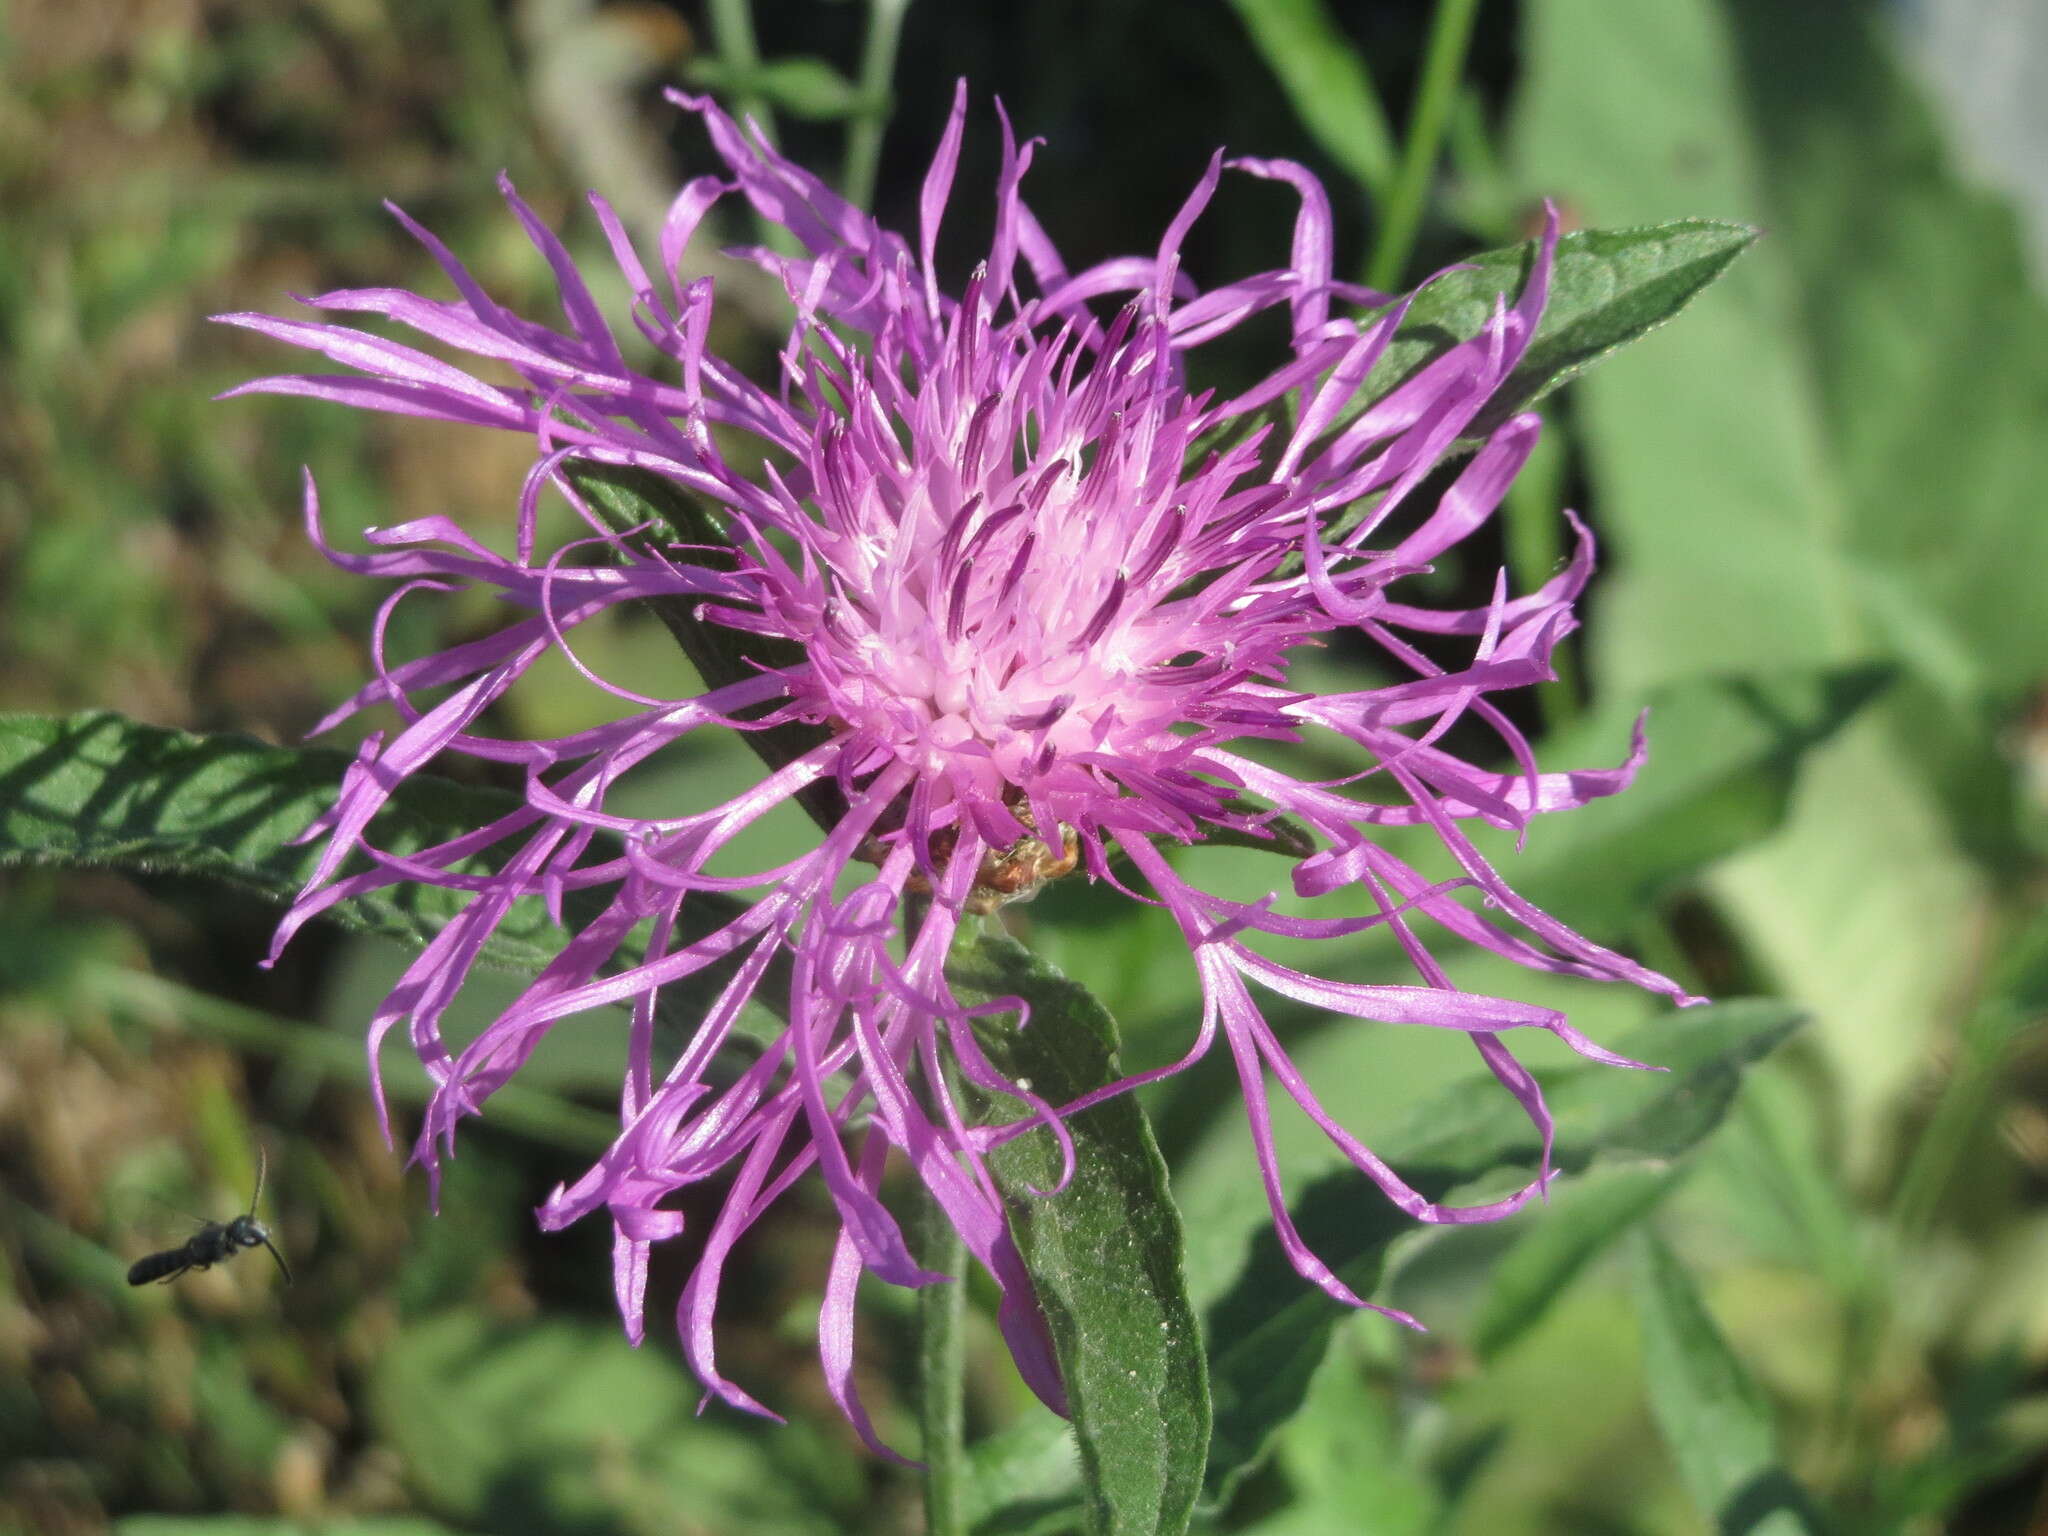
(1442, 68)
(877, 68)
(1487, 202)
(1329, 86)
(941, 1374)
(2015, 992)
(1967, 1097)
(941, 1334)
(732, 33)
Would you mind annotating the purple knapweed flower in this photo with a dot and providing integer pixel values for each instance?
(1036, 617)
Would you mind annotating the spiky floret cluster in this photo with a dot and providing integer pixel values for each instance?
(1041, 591)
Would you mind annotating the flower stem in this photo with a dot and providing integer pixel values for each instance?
(1442, 67)
(941, 1373)
(1486, 197)
(1970, 1095)
(1332, 90)
(732, 32)
(877, 68)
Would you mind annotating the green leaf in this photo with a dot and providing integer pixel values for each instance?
(1928, 339)
(1725, 753)
(1326, 81)
(1714, 1419)
(559, 1425)
(1579, 1223)
(1104, 1253)
(277, 1525)
(243, 1431)
(1755, 466)
(1925, 337)
(1024, 1480)
(1344, 1459)
(97, 790)
(1268, 1329)
(1609, 287)
(804, 86)
(1968, 1121)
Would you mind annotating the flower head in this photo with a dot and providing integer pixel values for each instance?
(1029, 591)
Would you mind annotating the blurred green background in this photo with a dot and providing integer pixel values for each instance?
(1826, 567)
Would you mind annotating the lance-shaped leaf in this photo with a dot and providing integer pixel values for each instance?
(98, 790)
(1104, 1253)
(1577, 1225)
(1715, 1419)
(1609, 287)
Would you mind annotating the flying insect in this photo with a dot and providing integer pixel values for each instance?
(212, 1243)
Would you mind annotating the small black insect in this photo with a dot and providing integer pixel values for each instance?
(212, 1243)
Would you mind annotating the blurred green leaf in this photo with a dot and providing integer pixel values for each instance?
(1782, 1190)
(803, 86)
(481, 1207)
(1929, 344)
(554, 1426)
(1965, 1126)
(273, 1525)
(1327, 82)
(1992, 1428)
(1722, 454)
(1703, 443)
(1579, 1222)
(1714, 1419)
(1344, 1459)
(1267, 1328)
(1025, 1480)
(1724, 754)
(243, 1432)
(82, 1265)
(1104, 1253)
